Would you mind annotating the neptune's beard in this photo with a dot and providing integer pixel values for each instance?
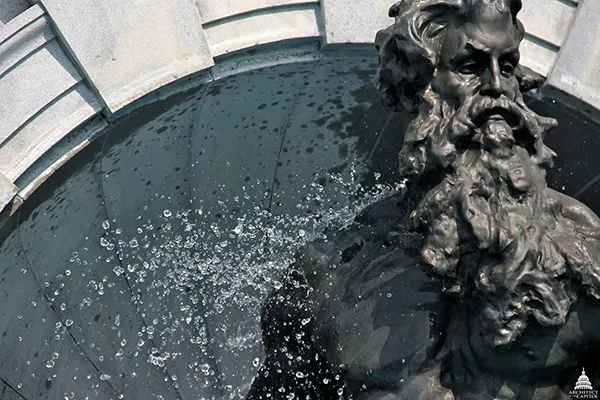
(494, 233)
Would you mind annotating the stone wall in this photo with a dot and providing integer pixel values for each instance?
(64, 62)
(44, 96)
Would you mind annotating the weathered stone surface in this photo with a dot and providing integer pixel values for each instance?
(9, 9)
(548, 24)
(15, 25)
(39, 78)
(354, 21)
(130, 49)
(43, 94)
(64, 114)
(57, 156)
(263, 28)
(18, 46)
(537, 55)
(549, 20)
(7, 191)
(577, 69)
(213, 10)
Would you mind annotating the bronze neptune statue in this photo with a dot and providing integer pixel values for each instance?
(511, 267)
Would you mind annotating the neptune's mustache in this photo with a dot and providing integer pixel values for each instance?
(499, 123)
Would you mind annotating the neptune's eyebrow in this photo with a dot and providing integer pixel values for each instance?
(475, 49)
(474, 46)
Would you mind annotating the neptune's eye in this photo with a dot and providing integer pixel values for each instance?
(507, 69)
(469, 67)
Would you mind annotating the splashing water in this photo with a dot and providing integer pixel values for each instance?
(219, 275)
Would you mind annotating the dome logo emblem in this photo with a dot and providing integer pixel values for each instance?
(583, 388)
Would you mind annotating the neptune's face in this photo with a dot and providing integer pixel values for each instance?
(478, 57)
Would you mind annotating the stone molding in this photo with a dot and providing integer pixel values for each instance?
(44, 96)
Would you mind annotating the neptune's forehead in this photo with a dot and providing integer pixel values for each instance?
(499, 5)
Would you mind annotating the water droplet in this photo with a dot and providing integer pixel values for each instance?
(167, 213)
(106, 224)
(50, 364)
(256, 362)
(205, 368)
(104, 377)
(133, 243)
